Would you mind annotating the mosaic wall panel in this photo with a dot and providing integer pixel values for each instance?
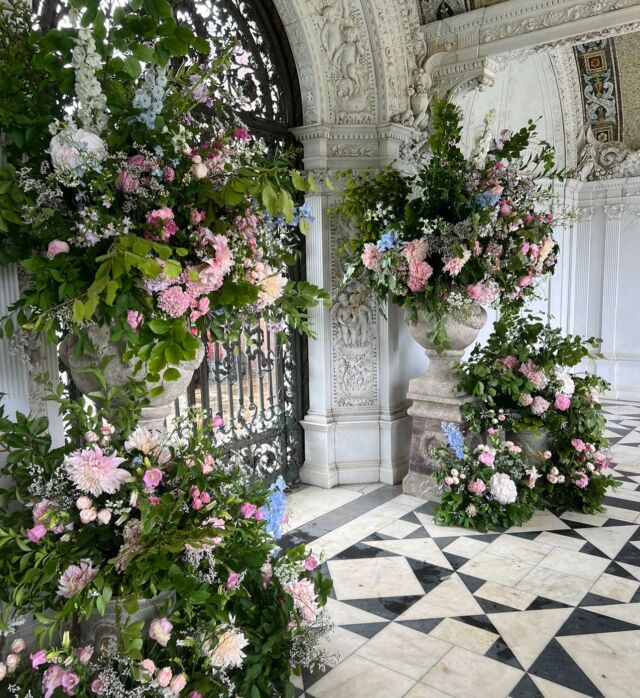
(628, 54)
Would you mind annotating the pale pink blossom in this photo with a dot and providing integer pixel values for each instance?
(99, 686)
(127, 182)
(526, 399)
(83, 503)
(476, 486)
(487, 458)
(310, 563)
(534, 475)
(104, 516)
(91, 437)
(160, 630)
(539, 405)
(419, 274)
(233, 580)
(248, 510)
(18, 646)
(57, 247)
(304, 598)
(148, 442)
(562, 402)
(88, 515)
(371, 257)
(95, 472)
(12, 661)
(40, 509)
(454, 265)
(148, 668)
(178, 683)
(76, 577)
(266, 571)
(84, 654)
(503, 488)
(525, 281)
(152, 477)
(534, 374)
(164, 676)
(272, 289)
(52, 679)
(483, 293)
(510, 363)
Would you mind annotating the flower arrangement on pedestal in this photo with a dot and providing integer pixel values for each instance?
(460, 231)
(485, 487)
(524, 377)
(145, 210)
(151, 532)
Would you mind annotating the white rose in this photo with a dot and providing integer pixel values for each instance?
(199, 170)
(18, 646)
(12, 662)
(104, 516)
(503, 488)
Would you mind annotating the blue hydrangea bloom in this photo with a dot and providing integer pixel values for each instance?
(388, 240)
(276, 508)
(304, 213)
(455, 438)
(487, 199)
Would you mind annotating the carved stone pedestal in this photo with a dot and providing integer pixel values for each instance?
(436, 399)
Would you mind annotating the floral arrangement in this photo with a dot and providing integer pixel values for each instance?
(526, 377)
(122, 515)
(460, 231)
(485, 487)
(144, 206)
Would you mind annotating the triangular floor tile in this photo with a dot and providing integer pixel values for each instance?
(429, 576)
(623, 570)
(541, 603)
(472, 583)
(556, 666)
(450, 598)
(583, 622)
(362, 551)
(424, 626)
(483, 622)
(456, 561)
(385, 607)
(629, 555)
(493, 606)
(526, 689)
(527, 633)
(424, 550)
(366, 629)
(595, 600)
(625, 612)
(549, 689)
(436, 531)
(609, 540)
(501, 652)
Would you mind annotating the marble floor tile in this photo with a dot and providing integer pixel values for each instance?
(627, 612)
(399, 529)
(346, 614)
(505, 596)
(540, 521)
(465, 546)
(450, 598)
(496, 569)
(610, 660)
(575, 563)
(465, 674)
(614, 587)
(518, 549)
(404, 650)
(420, 690)
(620, 513)
(436, 531)
(527, 633)
(464, 635)
(559, 541)
(587, 519)
(311, 502)
(357, 677)
(554, 690)
(423, 549)
(340, 644)
(551, 584)
(369, 578)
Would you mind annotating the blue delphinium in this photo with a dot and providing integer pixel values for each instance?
(304, 213)
(276, 508)
(487, 199)
(388, 240)
(455, 438)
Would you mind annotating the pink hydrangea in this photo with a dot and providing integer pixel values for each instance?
(174, 301)
(415, 250)
(419, 274)
(371, 257)
(482, 293)
(476, 486)
(95, 472)
(534, 374)
(562, 402)
(76, 577)
(539, 406)
(526, 399)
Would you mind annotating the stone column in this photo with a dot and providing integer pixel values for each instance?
(357, 429)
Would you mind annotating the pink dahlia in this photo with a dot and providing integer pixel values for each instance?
(371, 257)
(174, 301)
(419, 274)
(228, 652)
(76, 577)
(95, 472)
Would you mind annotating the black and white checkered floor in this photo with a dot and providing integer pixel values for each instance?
(551, 608)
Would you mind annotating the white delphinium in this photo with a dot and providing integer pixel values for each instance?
(149, 97)
(479, 154)
(92, 103)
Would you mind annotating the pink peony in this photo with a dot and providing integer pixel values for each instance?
(160, 630)
(38, 658)
(57, 247)
(164, 676)
(371, 257)
(94, 472)
(539, 406)
(476, 487)
(582, 480)
(415, 250)
(304, 598)
(562, 402)
(76, 577)
(248, 510)
(36, 533)
(174, 301)
(233, 580)
(152, 477)
(419, 274)
(484, 294)
(487, 458)
(134, 319)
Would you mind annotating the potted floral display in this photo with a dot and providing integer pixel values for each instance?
(150, 569)
(528, 382)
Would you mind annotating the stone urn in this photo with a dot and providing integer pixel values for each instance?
(435, 395)
(101, 631)
(117, 372)
(532, 441)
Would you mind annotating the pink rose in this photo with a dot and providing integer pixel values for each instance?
(195, 694)
(233, 580)
(104, 516)
(134, 319)
(152, 477)
(38, 658)
(148, 668)
(510, 363)
(311, 563)
(525, 247)
(169, 174)
(57, 247)
(154, 501)
(487, 458)
(525, 281)
(562, 402)
(491, 431)
(138, 161)
(83, 502)
(164, 676)
(18, 646)
(88, 515)
(579, 445)
(505, 209)
(36, 533)
(582, 479)
(127, 182)
(178, 683)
